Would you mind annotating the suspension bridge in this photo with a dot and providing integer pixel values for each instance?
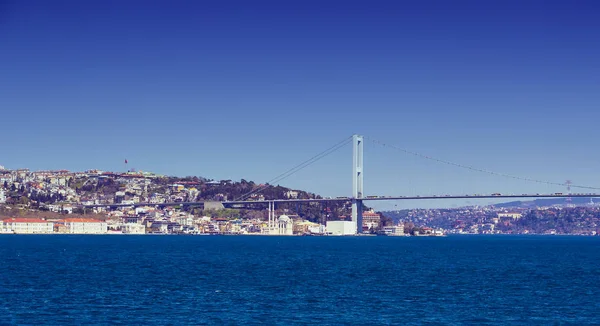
(357, 197)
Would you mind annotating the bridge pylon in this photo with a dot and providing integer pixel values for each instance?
(357, 181)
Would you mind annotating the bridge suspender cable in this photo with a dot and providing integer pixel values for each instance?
(297, 168)
(474, 168)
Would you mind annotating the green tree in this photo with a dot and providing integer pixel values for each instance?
(23, 200)
(385, 220)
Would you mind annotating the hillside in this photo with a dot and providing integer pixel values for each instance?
(547, 202)
(58, 190)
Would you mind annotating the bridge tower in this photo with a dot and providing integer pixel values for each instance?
(569, 200)
(357, 181)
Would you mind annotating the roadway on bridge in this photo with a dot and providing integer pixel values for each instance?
(368, 198)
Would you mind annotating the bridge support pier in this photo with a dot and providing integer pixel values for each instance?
(357, 181)
(357, 215)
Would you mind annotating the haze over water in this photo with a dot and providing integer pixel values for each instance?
(297, 280)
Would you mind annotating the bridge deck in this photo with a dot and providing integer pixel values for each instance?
(370, 198)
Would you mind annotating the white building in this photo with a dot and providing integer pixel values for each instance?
(67, 209)
(291, 194)
(28, 225)
(514, 216)
(397, 230)
(133, 228)
(285, 225)
(2, 196)
(371, 220)
(341, 228)
(185, 220)
(85, 226)
(318, 229)
(4, 228)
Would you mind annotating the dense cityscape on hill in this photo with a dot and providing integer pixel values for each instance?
(556, 219)
(52, 201)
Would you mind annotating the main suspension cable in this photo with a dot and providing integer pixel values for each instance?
(467, 167)
(297, 168)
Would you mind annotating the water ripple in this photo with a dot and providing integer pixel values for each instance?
(298, 280)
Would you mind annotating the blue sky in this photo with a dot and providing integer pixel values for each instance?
(239, 89)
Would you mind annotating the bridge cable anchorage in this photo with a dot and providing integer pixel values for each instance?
(467, 167)
(297, 168)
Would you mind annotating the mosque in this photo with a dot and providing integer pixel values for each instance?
(283, 225)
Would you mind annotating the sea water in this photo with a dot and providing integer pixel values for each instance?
(76, 279)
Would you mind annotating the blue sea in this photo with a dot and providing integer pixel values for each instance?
(64, 279)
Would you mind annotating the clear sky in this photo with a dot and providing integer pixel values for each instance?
(248, 89)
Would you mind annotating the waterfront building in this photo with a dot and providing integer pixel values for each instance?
(28, 225)
(341, 228)
(85, 226)
(371, 220)
(318, 229)
(304, 227)
(133, 228)
(285, 225)
(394, 230)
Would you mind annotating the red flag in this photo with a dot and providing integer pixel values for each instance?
(125, 161)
